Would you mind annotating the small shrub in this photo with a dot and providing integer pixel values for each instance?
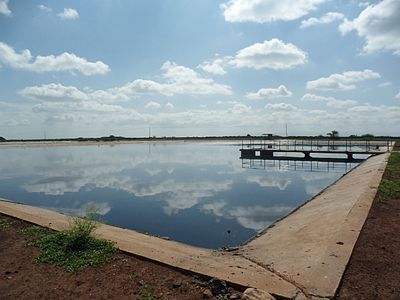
(75, 248)
(79, 232)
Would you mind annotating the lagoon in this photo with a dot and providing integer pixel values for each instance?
(201, 194)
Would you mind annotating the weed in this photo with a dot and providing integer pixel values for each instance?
(222, 297)
(79, 232)
(147, 296)
(5, 223)
(33, 231)
(131, 276)
(75, 248)
(143, 284)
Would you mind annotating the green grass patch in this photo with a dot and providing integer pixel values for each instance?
(389, 187)
(394, 158)
(147, 296)
(33, 231)
(5, 223)
(75, 248)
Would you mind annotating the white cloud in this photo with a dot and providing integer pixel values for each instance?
(270, 93)
(45, 8)
(280, 107)
(258, 217)
(379, 24)
(169, 105)
(240, 108)
(264, 11)
(272, 54)
(325, 19)
(330, 101)
(385, 84)
(342, 82)
(152, 105)
(215, 67)
(363, 4)
(69, 14)
(270, 181)
(179, 80)
(4, 8)
(397, 96)
(40, 64)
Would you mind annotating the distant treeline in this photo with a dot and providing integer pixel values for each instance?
(113, 138)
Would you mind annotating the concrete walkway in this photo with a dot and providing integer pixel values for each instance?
(303, 255)
(312, 246)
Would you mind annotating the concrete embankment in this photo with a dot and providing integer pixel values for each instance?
(304, 254)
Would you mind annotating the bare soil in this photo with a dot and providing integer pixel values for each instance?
(128, 277)
(374, 268)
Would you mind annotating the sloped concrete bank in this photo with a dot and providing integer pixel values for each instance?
(302, 256)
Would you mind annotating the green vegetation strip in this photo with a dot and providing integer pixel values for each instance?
(74, 248)
(5, 223)
(390, 184)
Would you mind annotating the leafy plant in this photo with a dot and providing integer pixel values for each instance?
(33, 231)
(5, 223)
(147, 296)
(143, 284)
(75, 248)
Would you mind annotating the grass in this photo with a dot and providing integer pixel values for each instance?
(33, 231)
(389, 187)
(75, 248)
(5, 224)
(147, 296)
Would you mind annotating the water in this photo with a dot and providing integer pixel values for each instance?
(197, 193)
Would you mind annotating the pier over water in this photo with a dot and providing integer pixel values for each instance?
(312, 149)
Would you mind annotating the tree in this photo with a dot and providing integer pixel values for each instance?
(333, 134)
(2, 139)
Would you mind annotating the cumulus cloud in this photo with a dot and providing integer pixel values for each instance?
(272, 54)
(270, 181)
(152, 105)
(40, 64)
(264, 11)
(270, 93)
(4, 8)
(239, 108)
(69, 14)
(325, 19)
(379, 24)
(169, 105)
(45, 8)
(330, 101)
(342, 82)
(178, 80)
(280, 107)
(258, 217)
(385, 84)
(215, 66)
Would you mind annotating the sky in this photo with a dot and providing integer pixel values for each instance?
(198, 68)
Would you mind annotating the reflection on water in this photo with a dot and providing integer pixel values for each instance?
(196, 193)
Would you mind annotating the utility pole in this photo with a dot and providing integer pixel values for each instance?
(149, 132)
(286, 129)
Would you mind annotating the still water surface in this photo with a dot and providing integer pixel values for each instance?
(197, 193)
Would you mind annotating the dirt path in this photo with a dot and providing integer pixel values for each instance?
(126, 278)
(374, 268)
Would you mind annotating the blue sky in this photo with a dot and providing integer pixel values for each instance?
(204, 67)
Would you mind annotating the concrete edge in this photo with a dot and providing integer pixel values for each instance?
(227, 266)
